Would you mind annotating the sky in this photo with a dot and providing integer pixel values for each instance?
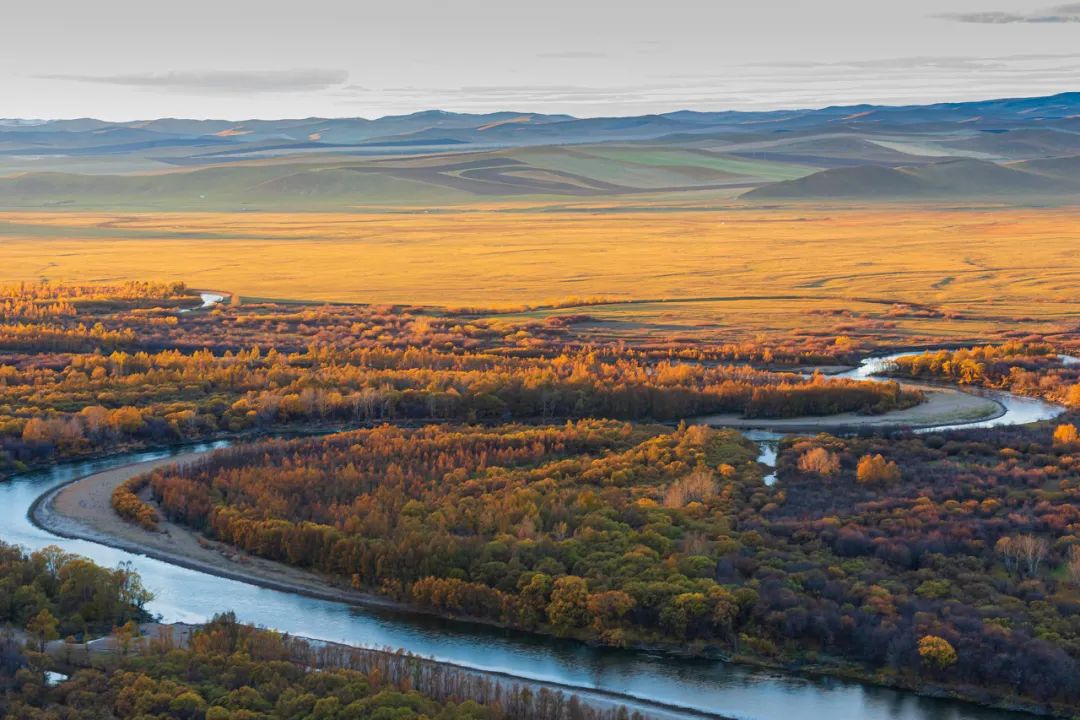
(236, 59)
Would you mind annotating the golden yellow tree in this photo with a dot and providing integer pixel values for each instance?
(1066, 435)
(820, 461)
(936, 651)
(876, 470)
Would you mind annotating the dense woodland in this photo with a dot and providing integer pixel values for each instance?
(51, 594)
(922, 559)
(60, 399)
(226, 671)
(509, 471)
(70, 594)
(143, 317)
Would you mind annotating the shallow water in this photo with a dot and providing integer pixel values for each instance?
(1017, 410)
(768, 443)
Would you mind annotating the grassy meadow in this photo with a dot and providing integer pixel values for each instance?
(951, 273)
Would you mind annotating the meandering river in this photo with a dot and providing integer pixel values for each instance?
(712, 688)
(1016, 409)
(1019, 410)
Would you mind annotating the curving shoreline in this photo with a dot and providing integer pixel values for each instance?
(81, 510)
(943, 407)
(209, 298)
(84, 500)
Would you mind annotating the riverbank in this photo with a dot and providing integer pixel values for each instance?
(220, 438)
(81, 509)
(942, 407)
(486, 687)
(209, 298)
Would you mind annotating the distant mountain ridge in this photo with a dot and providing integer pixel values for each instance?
(1019, 149)
(534, 127)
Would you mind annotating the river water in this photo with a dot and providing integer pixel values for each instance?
(704, 686)
(209, 300)
(1018, 410)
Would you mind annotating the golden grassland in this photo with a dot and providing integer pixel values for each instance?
(733, 269)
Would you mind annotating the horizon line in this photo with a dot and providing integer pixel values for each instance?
(10, 121)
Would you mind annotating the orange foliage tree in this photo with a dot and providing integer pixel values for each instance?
(820, 461)
(1066, 435)
(876, 470)
(937, 652)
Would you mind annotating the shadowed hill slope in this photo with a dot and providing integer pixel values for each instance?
(951, 179)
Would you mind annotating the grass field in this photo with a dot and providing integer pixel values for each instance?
(727, 271)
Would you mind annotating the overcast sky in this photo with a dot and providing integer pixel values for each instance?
(134, 59)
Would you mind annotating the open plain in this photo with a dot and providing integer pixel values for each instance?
(950, 274)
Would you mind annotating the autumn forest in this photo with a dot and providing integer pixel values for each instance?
(530, 475)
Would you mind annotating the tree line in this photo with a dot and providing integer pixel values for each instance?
(86, 403)
(227, 670)
(916, 557)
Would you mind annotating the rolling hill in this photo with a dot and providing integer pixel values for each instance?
(997, 149)
(953, 179)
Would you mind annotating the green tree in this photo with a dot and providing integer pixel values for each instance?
(187, 706)
(533, 599)
(684, 612)
(569, 606)
(608, 609)
(44, 628)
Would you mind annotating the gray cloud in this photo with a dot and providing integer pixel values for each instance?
(217, 82)
(574, 55)
(505, 96)
(929, 63)
(1059, 14)
(750, 86)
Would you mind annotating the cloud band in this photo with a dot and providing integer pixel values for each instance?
(216, 82)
